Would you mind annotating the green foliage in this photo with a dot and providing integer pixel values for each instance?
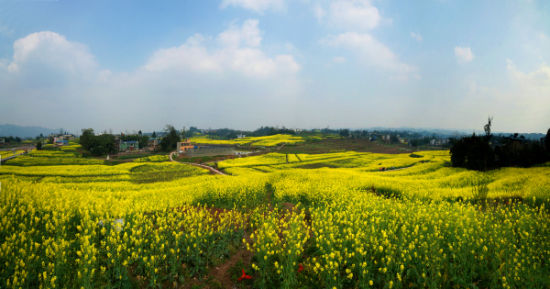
(98, 144)
(170, 141)
(473, 153)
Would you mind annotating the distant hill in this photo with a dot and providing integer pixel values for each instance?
(24, 131)
(529, 136)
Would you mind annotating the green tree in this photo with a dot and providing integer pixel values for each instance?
(87, 138)
(170, 141)
(98, 145)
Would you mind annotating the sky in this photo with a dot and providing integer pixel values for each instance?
(139, 65)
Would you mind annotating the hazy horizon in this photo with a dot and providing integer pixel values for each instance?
(243, 64)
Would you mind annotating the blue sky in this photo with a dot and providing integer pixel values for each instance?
(129, 65)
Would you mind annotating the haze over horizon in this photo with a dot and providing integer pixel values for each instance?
(243, 64)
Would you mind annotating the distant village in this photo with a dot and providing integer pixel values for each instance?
(151, 141)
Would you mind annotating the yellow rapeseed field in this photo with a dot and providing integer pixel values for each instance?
(265, 141)
(339, 220)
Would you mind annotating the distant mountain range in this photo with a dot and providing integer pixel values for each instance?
(25, 131)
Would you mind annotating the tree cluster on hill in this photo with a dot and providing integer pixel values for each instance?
(11, 139)
(489, 152)
(98, 144)
(269, 130)
(139, 137)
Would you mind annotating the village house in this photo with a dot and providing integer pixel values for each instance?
(439, 141)
(130, 145)
(184, 146)
(60, 141)
(153, 144)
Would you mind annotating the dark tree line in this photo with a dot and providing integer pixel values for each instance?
(12, 139)
(98, 144)
(489, 152)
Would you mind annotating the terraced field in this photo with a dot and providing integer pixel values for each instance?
(264, 141)
(335, 220)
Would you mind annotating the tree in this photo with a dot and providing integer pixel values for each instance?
(170, 141)
(487, 127)
(344, 132)
(473, 153)
(98, 145)
(87, 138)
(39, 145)
(547, 142)
(154, 135)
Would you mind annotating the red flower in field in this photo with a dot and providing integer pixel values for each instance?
(300, 268)
(244, 276)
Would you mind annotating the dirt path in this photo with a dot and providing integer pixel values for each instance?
(12, 157)
(211, 169)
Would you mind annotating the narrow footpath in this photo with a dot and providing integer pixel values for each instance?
(12, 157)
(211, 169)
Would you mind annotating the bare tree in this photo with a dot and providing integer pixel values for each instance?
(487, 127)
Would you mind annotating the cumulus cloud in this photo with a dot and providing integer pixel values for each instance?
(356, 19)
(199, 82)
(258, 6)
(464, 54)
(370, 50)
(354, 14)
(49, 58)
(237, 51)
(248, 34)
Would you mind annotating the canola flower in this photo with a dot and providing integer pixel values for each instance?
(265, 141)
(350, 225)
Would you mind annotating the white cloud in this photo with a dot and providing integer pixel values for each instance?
(48, 59)
(57, 82)
(370, 50)
(357, 18)
(416, 36)
(237, 51)
(51, 50)
(248, 34)
(354, 14)
(464, 54)
(530, 93)
(258, 6)
(520, 104)
(539, 77)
